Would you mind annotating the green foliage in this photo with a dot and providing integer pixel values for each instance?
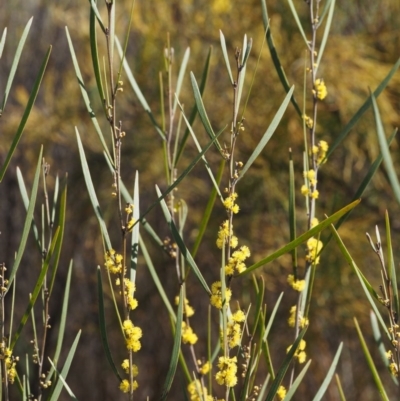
(182, 239)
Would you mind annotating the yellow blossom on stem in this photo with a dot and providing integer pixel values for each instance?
(216, 295)
(320, 90)
(281, 393)
(205, 368)
(224, 234)
(125, 367)
(125, 387)
(230, 204)
(314, 194)
(235, 262)
(314, 247)
(113, 261)
(133, 335)
(304, 190)
(227, 371)
(188, 336)
(303, 321)
(297, 285)
(198, 392)
(308, 120)
(299, 354)
(188, 310)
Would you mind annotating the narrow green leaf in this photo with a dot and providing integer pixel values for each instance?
(268, 133)
(325, 11)
(64, 372)
(208, 210)
(366, 180)
(275, 58)
(36, 291)
(368, 289)
(61, 225)
(103, 326)
(379, 341)
(92, 192)
(387, 159)
(326, 33)
(15, 62)
(28, 221)
(25, 200)
(193, 114)
(156, 279)
(292, 212)
(370, 362)
(391, 265)
(69, 391)
(329, 375)
(85, 96)
(182, 247)
(138, 92)
(63, 319)
(242, 75)
(25, 116)
(263, 389)
(181, 75)
(209, 171)
(3, 41)
(226, 58)
(259, 306)
(95, 55)
(94, 9)
(272, 317)
(202, 112)
(176, 348)
(181, 177)
(340, 389)
(304, 237)
(135, 230)
(297, 19)
(353, 121)
(110, 5)
(285, 365)
(296, 383)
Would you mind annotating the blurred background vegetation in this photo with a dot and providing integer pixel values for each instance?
(363, 46)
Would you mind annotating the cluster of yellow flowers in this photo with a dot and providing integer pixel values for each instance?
(129, 290)
(320, 150)
(113, 261)
(227, 371)
(236, 261)
(124, 385)
(393, 367)
(314, 247)
(133, 335)
(198, 392)
(224, 234)
(320, 90)
(297, 285)
(129, 218)
(300, 354)
(230, 204)
(10, 365)
(308, 120)
(188, 335)
(303, 321)
(234, 330)
(309, 189)
(188, 310)
(216, 295)
(281, 393)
